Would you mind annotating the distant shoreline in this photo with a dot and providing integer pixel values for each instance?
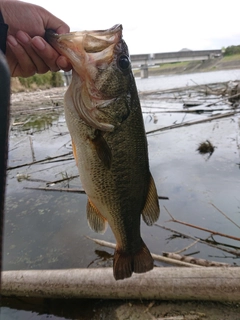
(216, 64)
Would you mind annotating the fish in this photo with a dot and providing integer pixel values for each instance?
(104, 118)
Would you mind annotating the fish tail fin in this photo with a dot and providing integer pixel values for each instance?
(124, 264)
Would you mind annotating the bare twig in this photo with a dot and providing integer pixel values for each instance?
(225, 215)
(42, 160)
(155, 256)
(61, 180)
(70, 190)
(56, 189)
(233, 252)
(179, 125)
(203, 229)
(188, 247)
(223, 99)
(200, 262)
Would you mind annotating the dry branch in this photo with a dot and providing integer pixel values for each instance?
(155, 256)
(187, 247)
(56, 189)
(215, 284)
(201, 228)
(184, 124)
(197, 261)
(205, 229)
(225, 215)
(39, 161)
(61, 180)
(72, 190)
(233, 252)
(224, 99)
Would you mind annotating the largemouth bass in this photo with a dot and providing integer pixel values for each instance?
(104, 118)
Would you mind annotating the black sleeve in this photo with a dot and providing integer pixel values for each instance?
(3, 34)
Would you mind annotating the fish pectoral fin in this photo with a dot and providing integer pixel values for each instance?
(102, 148)
(95, 220)
(74, 151)
(151, 209)
(124, 264)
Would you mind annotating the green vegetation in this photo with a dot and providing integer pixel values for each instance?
(45, 81)
(233, 57)
(232, 50)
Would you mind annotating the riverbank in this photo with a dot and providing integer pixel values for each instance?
(216, 64)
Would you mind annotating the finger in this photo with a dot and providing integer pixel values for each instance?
(56, 24)
(63, 63)
(47, 53)
(22, 65)
(25, 41)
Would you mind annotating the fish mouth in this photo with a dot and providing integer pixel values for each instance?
(78, 46)
(90, 53)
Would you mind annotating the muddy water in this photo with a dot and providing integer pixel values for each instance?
(47, 229)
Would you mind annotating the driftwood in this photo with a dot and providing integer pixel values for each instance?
(215, 284)
(197, 261)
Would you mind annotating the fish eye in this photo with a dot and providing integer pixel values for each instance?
(124, 62)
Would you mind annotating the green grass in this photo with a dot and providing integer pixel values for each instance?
(47, 80)
(233, 57)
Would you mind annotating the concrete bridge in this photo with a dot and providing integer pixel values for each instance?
(144, 61)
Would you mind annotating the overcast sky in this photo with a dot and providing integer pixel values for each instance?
(153, 26)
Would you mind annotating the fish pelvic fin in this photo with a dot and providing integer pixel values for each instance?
(95, 220)
(124, 264)
(151, 210)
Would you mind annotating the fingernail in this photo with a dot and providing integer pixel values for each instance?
(12, 41)
(38, 43)
(22, 37)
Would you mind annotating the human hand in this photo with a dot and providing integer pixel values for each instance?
(27, 51)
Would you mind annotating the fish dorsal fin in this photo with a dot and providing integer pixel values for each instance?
(74, 151)
(151, 209)
(95, 220)
(102, 148)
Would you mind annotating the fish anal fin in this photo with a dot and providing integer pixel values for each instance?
(102, 148)
(151, 210)
(74, 151)
(95, 220)
(124, 264)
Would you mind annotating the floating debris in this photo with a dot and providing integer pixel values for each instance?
(206, 147)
